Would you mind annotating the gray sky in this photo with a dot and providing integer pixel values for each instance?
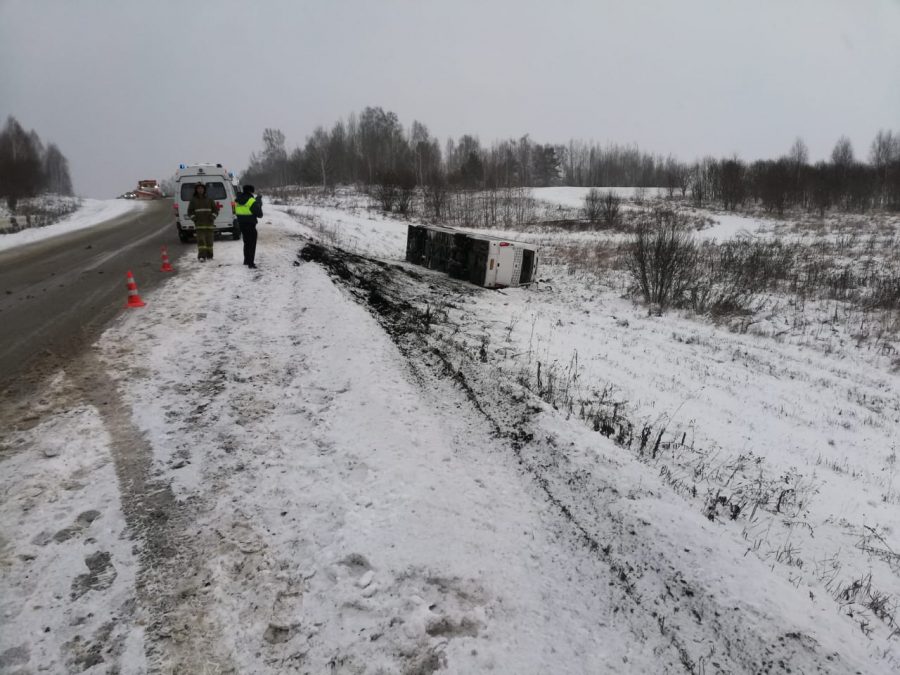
(130, 89)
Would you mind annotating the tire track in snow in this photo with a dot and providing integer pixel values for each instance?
(160, 524)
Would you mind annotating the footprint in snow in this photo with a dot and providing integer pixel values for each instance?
(100, 576)
(82, 522)
(357, 564)
(15, 656)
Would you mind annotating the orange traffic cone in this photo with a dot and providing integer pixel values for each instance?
(134, 300)
(166, 266)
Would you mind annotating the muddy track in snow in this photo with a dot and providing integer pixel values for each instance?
(703, 635)
(179, 637)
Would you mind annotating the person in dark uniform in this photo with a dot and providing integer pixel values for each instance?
(248, 209)
(202, 210)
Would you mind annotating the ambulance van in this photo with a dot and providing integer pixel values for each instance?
(219, 188)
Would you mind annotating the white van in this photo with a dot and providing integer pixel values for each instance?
(219, 187)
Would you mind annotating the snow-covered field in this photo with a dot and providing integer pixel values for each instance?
(347, 464)
(91, 212)
(573, 197)
(723, 226)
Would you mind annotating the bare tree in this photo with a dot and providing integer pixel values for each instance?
(843, 160)
(842, 155)
(421, 146)
(885, 151)
(673, 171)
(822, 187)
(799, 153)
(320, 146)
(609, 206)
(524, 152)
(386, 190)
(21, 173)
(273, 140)
(883, 148)
(798, 158)
(684, 179)
(380, 136)
(272, 167)
(435, 193)
(56, 171)
(275, 155)
(732, 183)
(772, 183)
(405, 179)
(698, 184)
(167, 185)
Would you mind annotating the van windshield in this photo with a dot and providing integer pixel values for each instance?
(213, 191)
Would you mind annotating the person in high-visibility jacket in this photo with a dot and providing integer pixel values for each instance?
(248, 209)
(203, 210)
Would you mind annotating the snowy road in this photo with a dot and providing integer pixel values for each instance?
(262, 480)
(57, 294)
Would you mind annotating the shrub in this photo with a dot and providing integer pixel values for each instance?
(662, 259)
(609, 207)
(386, 191)
(435, 195)
(592, 205)
(405, 179)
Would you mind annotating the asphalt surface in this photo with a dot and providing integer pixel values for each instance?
(57, 295)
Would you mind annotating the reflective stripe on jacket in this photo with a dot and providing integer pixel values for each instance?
(202, 210)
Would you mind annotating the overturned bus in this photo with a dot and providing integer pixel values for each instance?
(488, 261)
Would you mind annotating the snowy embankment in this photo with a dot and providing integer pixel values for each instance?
(296, 491)
(90, 213)
(347, 515)
(788, 444)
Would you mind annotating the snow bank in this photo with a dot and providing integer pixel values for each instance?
(91, 212)
(358, 229)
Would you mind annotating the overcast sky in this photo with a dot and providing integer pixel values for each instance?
(130, 89)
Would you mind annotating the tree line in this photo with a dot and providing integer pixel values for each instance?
(27, 167)
(374, 149)
(843, 182)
